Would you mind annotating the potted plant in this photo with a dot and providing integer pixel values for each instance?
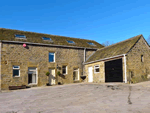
(58, 73)
(47, 73)
(83, 77)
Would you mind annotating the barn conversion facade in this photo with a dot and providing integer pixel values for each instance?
(26, 57)
(36, 59)
(126, 61)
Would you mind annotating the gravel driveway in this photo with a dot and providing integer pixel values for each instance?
(79, 98)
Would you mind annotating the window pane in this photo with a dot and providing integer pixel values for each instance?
(45, 38)
(15, 72)
(17, 67)
(64, 69)
(75, 75)
(97, 70)
(69, 41)
(51, 57)
(90, 43)
(20, 36)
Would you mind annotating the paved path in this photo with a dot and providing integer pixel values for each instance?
(78, 98)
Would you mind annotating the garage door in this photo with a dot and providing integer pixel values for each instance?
(113, 71)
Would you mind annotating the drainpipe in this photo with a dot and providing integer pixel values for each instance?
(84, 54)
(125, 68)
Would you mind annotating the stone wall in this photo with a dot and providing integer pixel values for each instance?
(97, 77)
(37, 56)
(135, 68)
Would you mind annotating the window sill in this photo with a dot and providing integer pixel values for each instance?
(64, 74)
(16, 76)
(32, 84)
(96, 72)
(52, 62)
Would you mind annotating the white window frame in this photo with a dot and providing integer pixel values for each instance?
(54, 57)
(78, 74)
(96, 68)
(66, 70)
(16, 69)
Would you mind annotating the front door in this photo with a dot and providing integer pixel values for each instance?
(32, 76)
(90, 74)
(52, 76)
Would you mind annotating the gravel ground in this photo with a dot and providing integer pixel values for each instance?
(78, 98)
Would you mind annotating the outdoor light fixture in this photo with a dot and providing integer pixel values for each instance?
(57, 66)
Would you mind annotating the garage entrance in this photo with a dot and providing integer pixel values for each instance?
(113, 71)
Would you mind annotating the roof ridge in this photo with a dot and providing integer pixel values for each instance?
(120, 42)
(47, 34)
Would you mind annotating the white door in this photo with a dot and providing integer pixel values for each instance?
(90, 74)
(52, 76)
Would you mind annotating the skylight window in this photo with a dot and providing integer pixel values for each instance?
(47, 39)
(20, 36)
(70, 42)
(90, 43)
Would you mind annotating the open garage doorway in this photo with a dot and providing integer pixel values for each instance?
(114, 71)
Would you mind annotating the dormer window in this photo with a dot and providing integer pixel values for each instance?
(20, 36)
(90, 43)
(47, 39)
(70, 42)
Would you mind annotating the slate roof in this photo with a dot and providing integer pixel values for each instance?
(9, 35)
(115, 49)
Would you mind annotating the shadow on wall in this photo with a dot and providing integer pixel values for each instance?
(135, 79)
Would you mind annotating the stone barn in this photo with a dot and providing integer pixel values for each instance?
(126, 61)
(36, 59)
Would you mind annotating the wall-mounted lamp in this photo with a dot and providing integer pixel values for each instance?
(57, 66)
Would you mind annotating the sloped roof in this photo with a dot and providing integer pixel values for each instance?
(115, 49)
(9, 35)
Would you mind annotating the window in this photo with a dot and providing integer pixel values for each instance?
(20, 36)
(47, 39)
(51, 57)
(76, 74)
(142, 58)
(71, 42)
(90, 43)
(64, 70)
(96, 69)
(16, 71)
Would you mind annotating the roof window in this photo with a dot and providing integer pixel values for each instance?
(70, 42)
(90, 43)
(47, 39)
(20, 36)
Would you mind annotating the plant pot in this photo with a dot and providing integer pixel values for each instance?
(83, 77)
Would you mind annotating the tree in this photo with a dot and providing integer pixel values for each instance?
(148, 40)
(107, 43)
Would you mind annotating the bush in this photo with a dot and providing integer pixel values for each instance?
(47, 73)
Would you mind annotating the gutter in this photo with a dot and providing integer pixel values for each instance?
(41, 44)
(104, 59)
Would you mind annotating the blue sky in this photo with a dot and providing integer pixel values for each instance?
(99, 20)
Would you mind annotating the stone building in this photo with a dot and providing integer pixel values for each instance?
(126, 61)
(26, 57)
(36, 59)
